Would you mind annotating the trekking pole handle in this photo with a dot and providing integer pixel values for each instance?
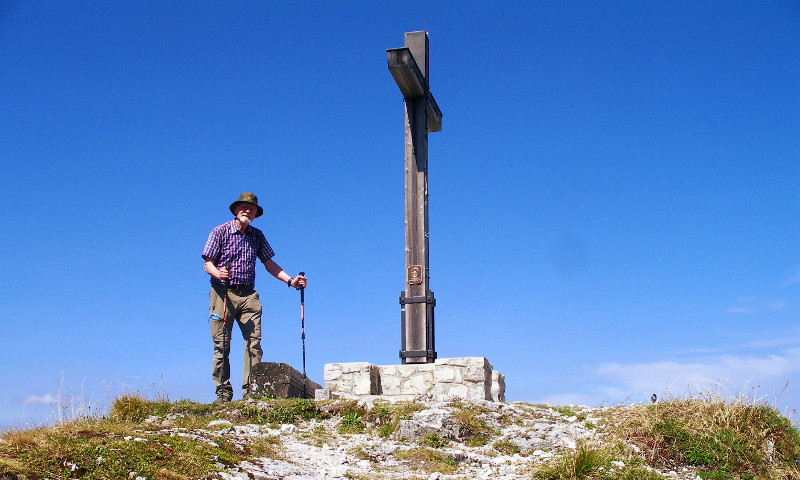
(302, 290)
(228, 268)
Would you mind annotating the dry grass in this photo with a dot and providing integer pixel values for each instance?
(606, 462)
(475, 431)
(106, 448)
(723, 439)
(386, 417)
(428, 460)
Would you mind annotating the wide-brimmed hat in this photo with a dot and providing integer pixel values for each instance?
(248, 197)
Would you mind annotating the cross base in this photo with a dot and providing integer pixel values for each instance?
(407, 352)
(470, 378)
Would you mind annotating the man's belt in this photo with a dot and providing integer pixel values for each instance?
(237, 289)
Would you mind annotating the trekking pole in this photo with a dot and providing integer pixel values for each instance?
(303, 330)
(227, 283)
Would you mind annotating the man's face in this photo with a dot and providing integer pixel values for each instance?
(245, 212)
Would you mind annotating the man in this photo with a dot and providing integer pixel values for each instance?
(230, 257)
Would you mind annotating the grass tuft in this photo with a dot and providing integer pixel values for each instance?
(428, 460)
(281, 411)
(474, 430)
(609, 462)
(387, 417)
(352, 422)
(108, 448)
(506, 447)
(722, 439)
(432, 440)
(135, 408)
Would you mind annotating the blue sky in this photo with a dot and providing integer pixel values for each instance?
(613, 196)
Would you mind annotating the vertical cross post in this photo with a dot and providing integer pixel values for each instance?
(409, 67)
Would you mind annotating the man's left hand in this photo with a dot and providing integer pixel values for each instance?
(299, 282)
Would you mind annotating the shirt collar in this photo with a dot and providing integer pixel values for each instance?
(232, 227)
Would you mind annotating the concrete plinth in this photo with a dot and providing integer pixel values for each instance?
(447, 378)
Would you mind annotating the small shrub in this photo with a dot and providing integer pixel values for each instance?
(387, 417)
(380, 414)
(582, 463)
(432, 440)
(715, 475)
(11, 469)
(264, 447)
(428, 460)
(282, 411)
(475, 431)
(352, 423)
(635, 473)
(568, 412)
(506, 447)
(596, 463)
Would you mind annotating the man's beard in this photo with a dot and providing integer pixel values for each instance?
(244, 219)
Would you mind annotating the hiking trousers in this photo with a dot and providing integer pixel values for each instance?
(244, 309)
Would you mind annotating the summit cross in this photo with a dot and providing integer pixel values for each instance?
(409, 67)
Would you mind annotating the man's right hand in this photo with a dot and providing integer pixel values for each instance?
(224, 274)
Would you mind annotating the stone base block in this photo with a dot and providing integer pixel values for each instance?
(359, 378)
(269, 379)
(464, 377)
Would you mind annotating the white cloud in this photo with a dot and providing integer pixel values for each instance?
(731, 373)
(791, 281)
(567, 399)
(47, 398)
(746, 305)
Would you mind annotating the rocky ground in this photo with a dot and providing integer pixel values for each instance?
(444, 441)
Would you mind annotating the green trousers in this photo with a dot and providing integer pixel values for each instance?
(244, 309)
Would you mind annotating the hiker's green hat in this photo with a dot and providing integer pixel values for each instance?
(248, 197)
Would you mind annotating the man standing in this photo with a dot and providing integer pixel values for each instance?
(230, 257)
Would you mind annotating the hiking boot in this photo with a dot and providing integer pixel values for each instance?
(223, 395)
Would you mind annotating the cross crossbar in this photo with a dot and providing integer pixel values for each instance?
(406, 72)
(412, 84)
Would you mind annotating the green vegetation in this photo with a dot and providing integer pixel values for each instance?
(590, 463)
(723, 440)
(103, 449)
(118, 444)
(475, 430)
(281, 411)
(428, 460)
(162, 440)
(386, 417)
(352, 422)
(506, 447)
(567, 412)
(432, 440)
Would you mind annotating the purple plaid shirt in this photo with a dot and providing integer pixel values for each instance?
(227, 244)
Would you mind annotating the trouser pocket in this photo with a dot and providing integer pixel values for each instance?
(218, 303)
